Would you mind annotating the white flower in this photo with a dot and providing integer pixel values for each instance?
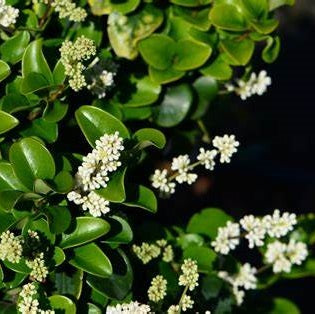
(256, 230)
(279, 225)
(261, 82)
(189, 276)
(296, 252)
(39, 269)
(186, 177)
(10, 247)
(187, 303)
(246, 277)
(160, 181)
(95, 204)
(8, 14)
(275, 255)
(226, 145)
(206, 157)
(33, 234)
(67, 8)
(173, 309)
(244, 89)
(239, 295)
(157, 290)
(227, 238)
(128, 308)
(181, 163)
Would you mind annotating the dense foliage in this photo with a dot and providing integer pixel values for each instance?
(91, 92)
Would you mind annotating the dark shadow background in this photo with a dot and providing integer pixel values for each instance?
(274, 167)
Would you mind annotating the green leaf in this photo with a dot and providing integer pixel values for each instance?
(55, 112)
(4, 70)
(19, 267)
(190, 55)
(12, 50)
(265, 26)
(34, 82)
(91, 259)
(95, 122)
(125, 32)
(15, 102)
(150, 136)
(31, 160)
(8, 199)
(85, 229)
(202, 255)
(59, 74)
(8, 122)
(62, 304)
(211, 286)
(115, 190)
(228, 17)
(284, 306)
(191, 3)
(59, 256)
(240, 52)
(256, 8)
(139, 92)
(6, 220)
(93, 309)
(59, 218)
(272, 49)
(190, 239)
(34, 61)
(274, 4)
(208, 221)
(174, 107)
(165, 76)
(158, 51)
(101, 7)
(141, 196)
(8, 180)
(40, 225)
(69, 283)
(207, 90)
(62, 183)
(219, 69)
(120, 232)
(116, 286)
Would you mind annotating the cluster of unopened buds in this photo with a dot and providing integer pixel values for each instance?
(94, 173)
(8, 14)
(255, 85)
(68, 9)
(225, 147)
(278, 255)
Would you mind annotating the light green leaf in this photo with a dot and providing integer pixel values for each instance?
(219, 69)
(101, 7)
(165, 76)
(62, 304)
(274, 4)
(8, 179)
(8, 122)
(149, 136)
(191, 3)
(31, 160)
(4, 70)
(84, 230)
(272, 49)
(284, 306)
(204, 256)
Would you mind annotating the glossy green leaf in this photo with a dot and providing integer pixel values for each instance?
(101, 7)
(59, 218)
(265, 26)
(240, 52)
(59, 74)
(149, 136)
(143, 197)
(93, 309)
(8, 122)
(256, 9)
(34, 82)
(174, 107)
(59, 256)
(283, 306)
(274, 4)
(272, 49)
(62, 183)
(19, 267)
(6, 220)
(40, 225)
(208, 221)
(31, 160)
(116, 286)
(165, 76)
(8, 199)
(8, 179)
(204, 256)
(191, 3)
(120, 232)
(34, 61)
(69, 283)
(219, 69)
(206, 88)
(229, 17)
(115, 190)
(141, 113)
(4, 70)
(84, 230)
(14, 102)
(62, 304)
(12, 50)
(54, 112)
(91, 259)
(95, 122)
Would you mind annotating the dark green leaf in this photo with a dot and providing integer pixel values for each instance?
(4, 70)
(63, 304)
(59, 218)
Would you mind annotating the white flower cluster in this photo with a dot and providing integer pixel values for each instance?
(28, 303)
(8, 14)
(128, 308)
(68, 9)
(282, 256)
(72, 56)
(181, 166)
(244, 279)
(146, 252)
(39, 270)
(94, 174)
(157, 289)
(105, 79)
(189, 276)
(10, 247)
(256, 229)
(256, 85)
